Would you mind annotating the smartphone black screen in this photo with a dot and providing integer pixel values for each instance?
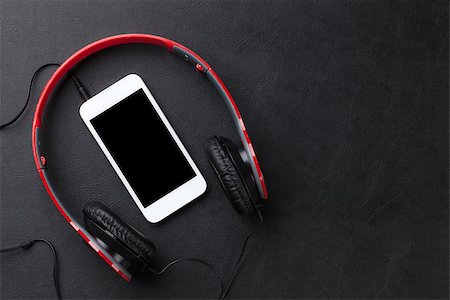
(143, 148)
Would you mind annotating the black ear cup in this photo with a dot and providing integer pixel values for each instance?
(234, 176)
(118, 236)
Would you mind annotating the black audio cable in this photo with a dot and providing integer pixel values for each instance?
(29, 93)
(238, 263)
(80, 87)
(28, 244)
(191, 260)
(223, 293)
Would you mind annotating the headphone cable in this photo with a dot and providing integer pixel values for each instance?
(191, 260)
(28, 244)
(29, 93)
(238, 263)
(223, 293)
(81, 90)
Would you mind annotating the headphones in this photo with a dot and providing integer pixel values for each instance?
(123, 247)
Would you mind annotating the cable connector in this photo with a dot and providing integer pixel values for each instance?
(27, 244)
(81, 88)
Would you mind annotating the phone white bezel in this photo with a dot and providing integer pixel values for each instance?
(174, 200)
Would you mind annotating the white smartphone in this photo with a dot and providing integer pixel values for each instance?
(143, 148)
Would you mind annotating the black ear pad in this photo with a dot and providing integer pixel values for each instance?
(109, 222)
(234, 176)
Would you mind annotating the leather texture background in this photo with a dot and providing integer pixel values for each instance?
(347, 105)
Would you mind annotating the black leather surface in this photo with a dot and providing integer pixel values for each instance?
(347, 105)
